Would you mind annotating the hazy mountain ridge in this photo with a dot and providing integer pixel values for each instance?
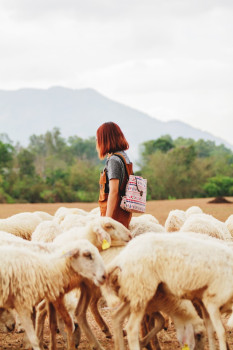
(26, 112)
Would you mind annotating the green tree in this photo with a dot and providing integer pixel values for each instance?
(6, 155)
(83, 149)
(219, 186)
(84, 180)
(163, 144)
(26, 163)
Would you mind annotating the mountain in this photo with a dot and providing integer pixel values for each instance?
(26, 112)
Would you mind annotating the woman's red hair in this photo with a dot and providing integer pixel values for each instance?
(110, 139)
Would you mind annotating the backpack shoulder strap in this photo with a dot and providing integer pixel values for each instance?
(124, 161)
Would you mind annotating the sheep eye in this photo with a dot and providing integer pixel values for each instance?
(88, 255)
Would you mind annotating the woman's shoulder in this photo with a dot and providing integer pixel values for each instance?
(123, 153)
(114, 160)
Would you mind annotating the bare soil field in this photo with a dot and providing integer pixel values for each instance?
(160, 209)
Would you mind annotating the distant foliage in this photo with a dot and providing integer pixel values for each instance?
(52, 169)
(186, 169)
(219, 186)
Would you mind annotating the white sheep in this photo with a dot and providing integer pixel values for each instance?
(22, 224)
(95, 211)
(99, 230)
(182, 312)
(206, 224)
(76, 220)
(46, 231)
(44, 215)
(96, 232)
(27, 278)
(142, 227)
(189, 326)
(7, 238)
(190, 267)
(193, 210)
(61, 213)
(144, 223)
(144, 218)
(175, 220)
(229, 224)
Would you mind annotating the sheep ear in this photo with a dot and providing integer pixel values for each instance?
(74, 253)
(108, 225)
(103, 237)
(112, 278)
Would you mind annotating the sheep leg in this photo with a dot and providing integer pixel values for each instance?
(118, 317)
(52, 326)
(154, 328)
(144, 332)
(215, 317)
(145, 329)
(208, 324)
(156, 324)
(98, 318)
(60, 307)
(133, 327)
(26, 320)
(40, 320)
(81, 315)
(210, 333)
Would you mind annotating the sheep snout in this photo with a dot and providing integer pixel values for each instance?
(103, 279)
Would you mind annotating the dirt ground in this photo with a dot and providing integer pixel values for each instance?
(160, 209)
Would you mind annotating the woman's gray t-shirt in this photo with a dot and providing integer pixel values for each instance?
(115, 167)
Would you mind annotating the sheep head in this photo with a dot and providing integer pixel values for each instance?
(108, 228)
(7, 320)
(85, 259)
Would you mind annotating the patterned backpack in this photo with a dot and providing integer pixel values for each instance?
(134, 199)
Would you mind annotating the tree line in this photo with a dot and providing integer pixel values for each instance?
(54, 169)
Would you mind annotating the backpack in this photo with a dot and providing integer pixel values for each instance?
(134, 199)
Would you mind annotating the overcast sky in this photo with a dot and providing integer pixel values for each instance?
(172, 59)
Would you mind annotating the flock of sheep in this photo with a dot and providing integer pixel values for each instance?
(60, 265)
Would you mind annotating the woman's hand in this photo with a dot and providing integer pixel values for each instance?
(112, 196)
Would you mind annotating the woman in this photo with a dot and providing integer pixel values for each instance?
(111, 142)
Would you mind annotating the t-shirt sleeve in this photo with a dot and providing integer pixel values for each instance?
(114, 168)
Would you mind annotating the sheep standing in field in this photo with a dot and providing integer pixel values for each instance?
(229, 224)
(9, 239)
(46, 231)
(95, 211)
(206, 224)
(43, 215)
(76, 220)
(193, 210)
(27, 278)
(61, 213)
(102, 229)
(144, 223)
(190, 268)
(188, 324)
(22, 224)
(143, 218)
(96, 232)
(175, 220)
(142, 227)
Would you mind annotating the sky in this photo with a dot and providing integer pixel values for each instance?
(172, 59)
